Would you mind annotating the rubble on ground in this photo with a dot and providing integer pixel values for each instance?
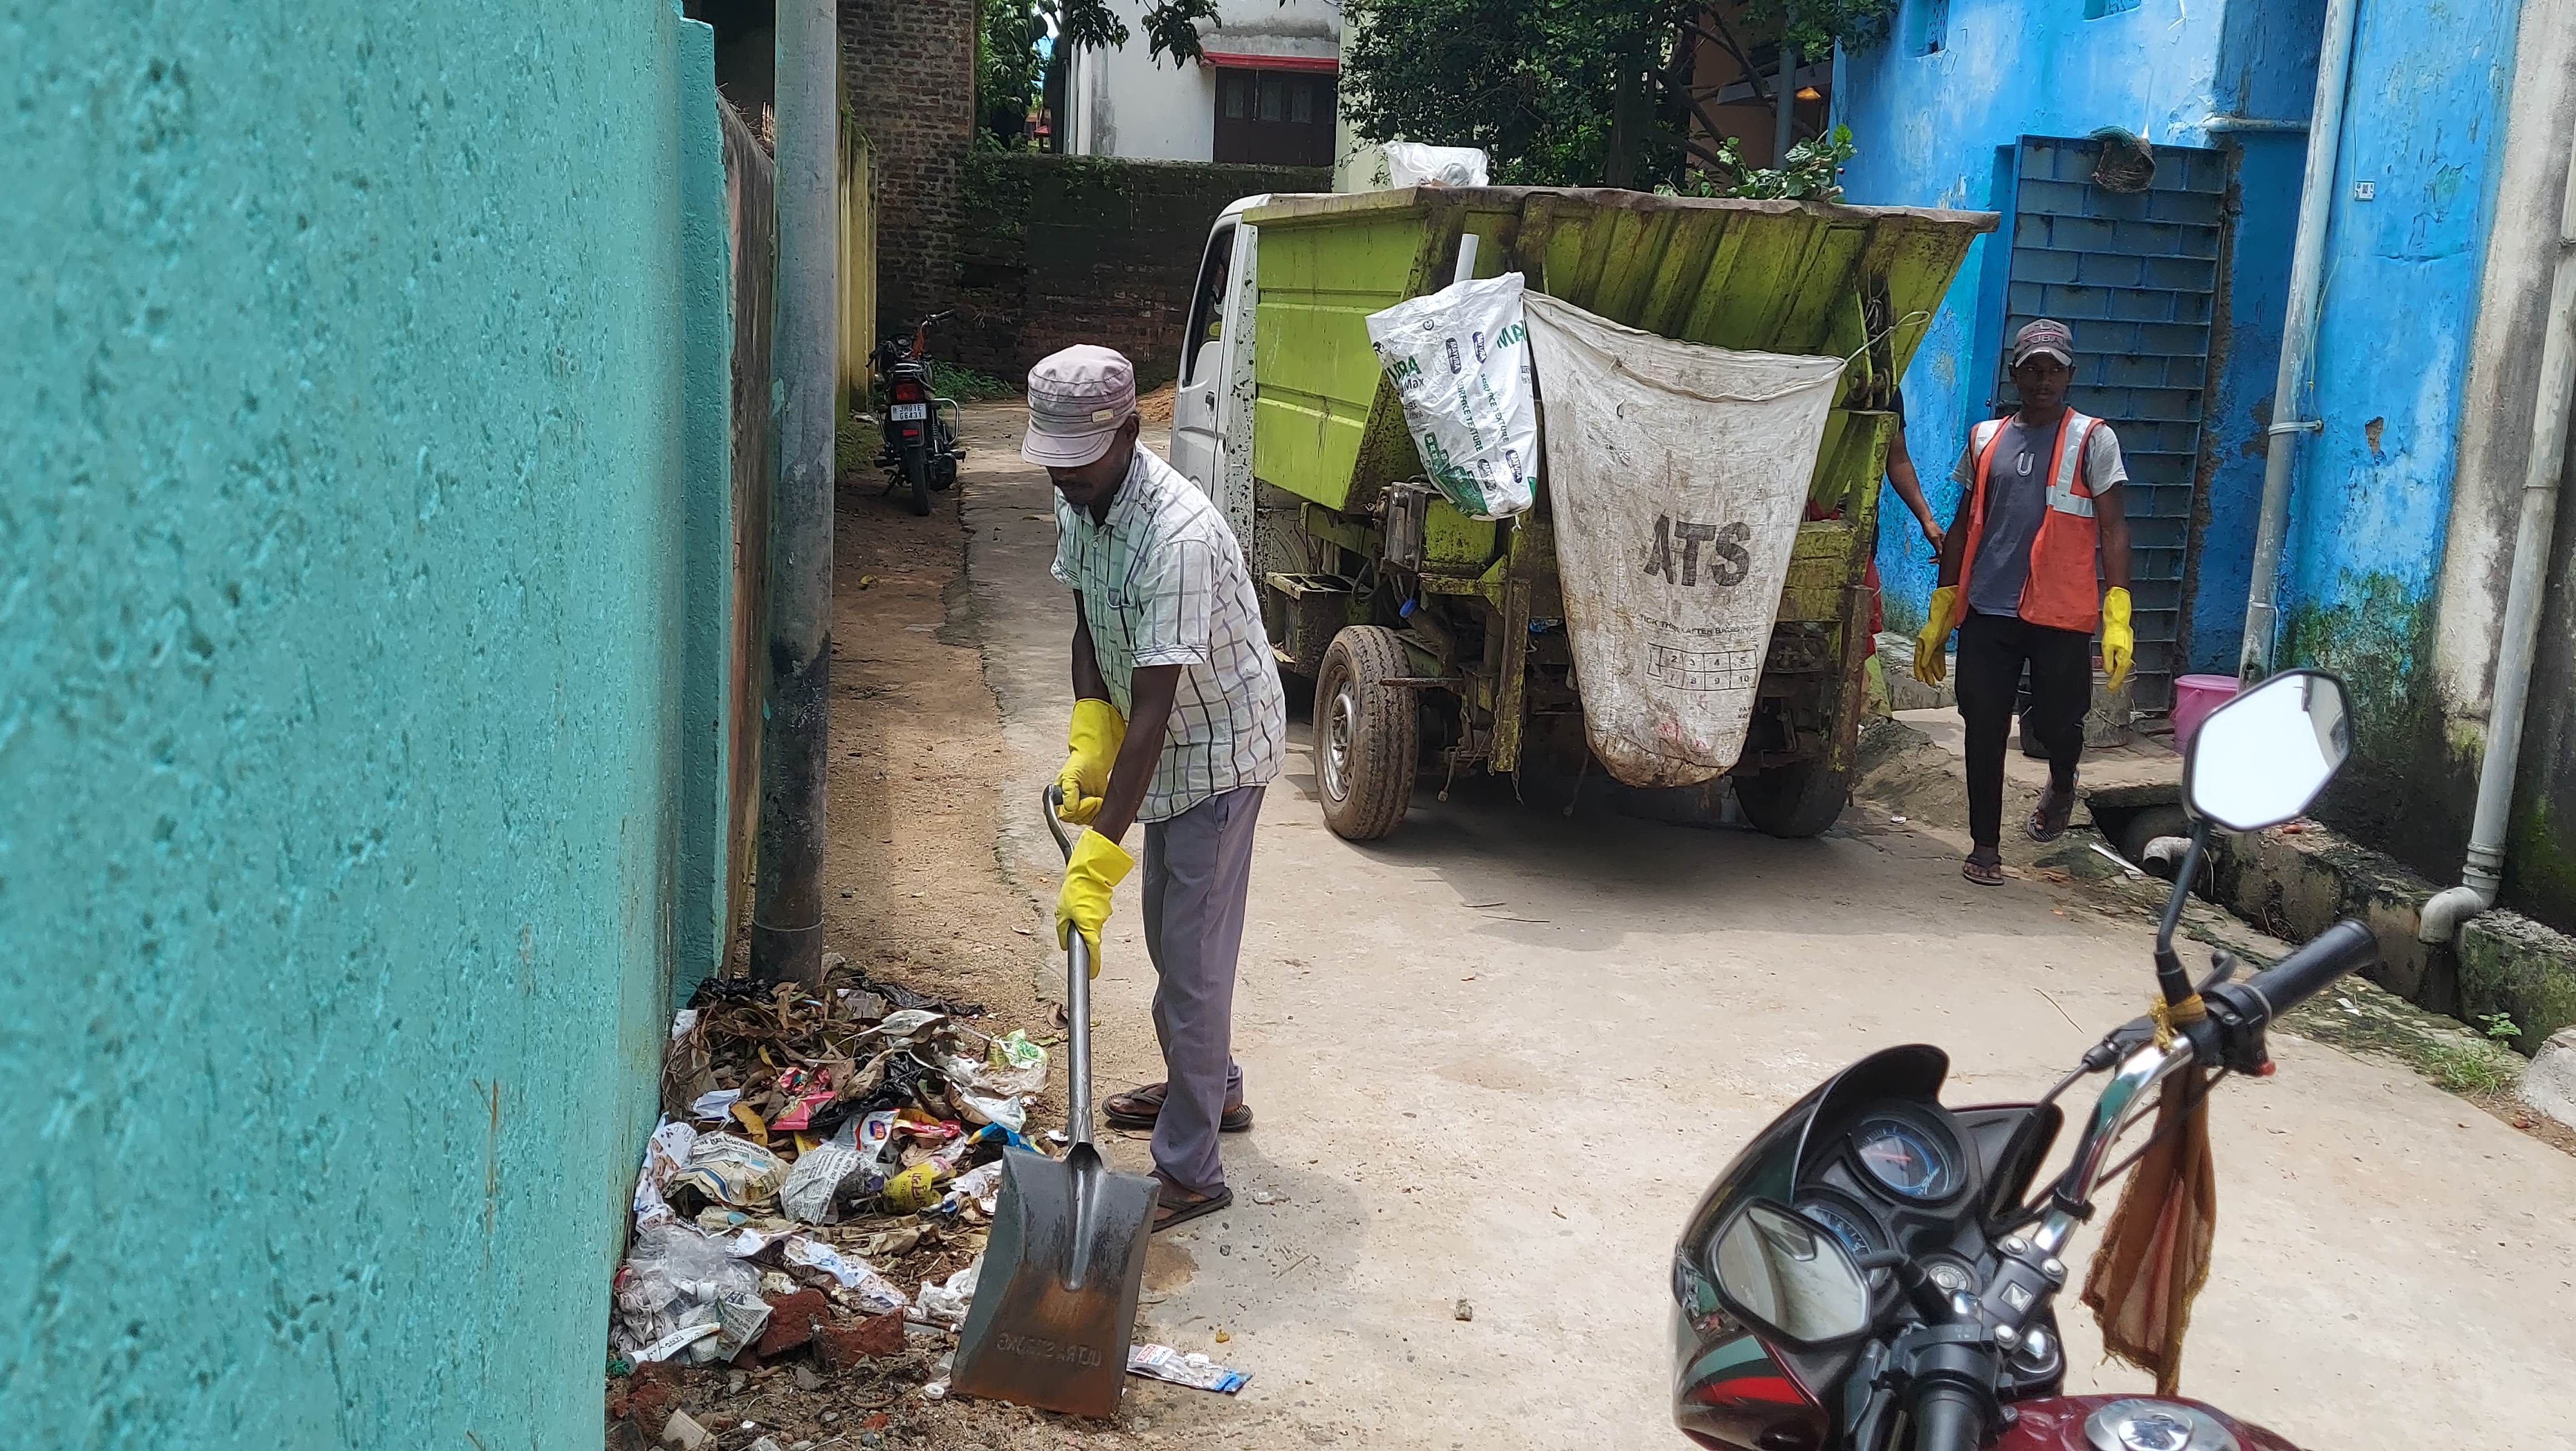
(811, 1209)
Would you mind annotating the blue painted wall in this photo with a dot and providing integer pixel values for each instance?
(363, 392)
(2424, 129)
(1928, 125)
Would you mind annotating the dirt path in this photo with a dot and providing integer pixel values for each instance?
(1497, 1056)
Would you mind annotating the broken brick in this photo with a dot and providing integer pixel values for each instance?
(840, 1344)
(792, 1319)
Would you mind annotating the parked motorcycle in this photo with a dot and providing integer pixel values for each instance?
(919, 428)
(1874, 1272)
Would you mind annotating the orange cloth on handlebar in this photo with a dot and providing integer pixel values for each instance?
(2155, 1250)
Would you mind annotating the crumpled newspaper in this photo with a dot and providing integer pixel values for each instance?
(807, 1194)
(731, 1170)
(877, 1295)
(665, 1154)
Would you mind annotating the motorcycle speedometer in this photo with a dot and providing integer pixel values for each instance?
(1907, 1158)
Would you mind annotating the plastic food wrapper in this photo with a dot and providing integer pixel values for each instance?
(1678, 474)
(939, 1304)
(1410, 163)
(807, 1194)
(731, 1170)
(1009, 1111)
(675, 1278)
(715, 1103)
(877, 1294)
(872, 1135)
(1459, 360)
(915, 1189)
(1162, 1362)
(980, 1185)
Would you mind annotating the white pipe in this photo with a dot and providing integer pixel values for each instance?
(2519, 637)
(2298, 337)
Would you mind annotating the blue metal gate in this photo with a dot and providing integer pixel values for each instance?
(2135, 274)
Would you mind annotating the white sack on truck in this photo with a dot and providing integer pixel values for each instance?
(1677, 475)
(1459, 360)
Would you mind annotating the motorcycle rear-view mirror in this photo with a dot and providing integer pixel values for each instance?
(1786, 1277)
(2258, 760)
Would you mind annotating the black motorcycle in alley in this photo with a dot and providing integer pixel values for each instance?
(920, 452)
(1874, 1271)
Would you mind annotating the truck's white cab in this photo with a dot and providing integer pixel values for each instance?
(1212, 406)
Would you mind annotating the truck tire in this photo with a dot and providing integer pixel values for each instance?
(1794, 801)
(1368, 735)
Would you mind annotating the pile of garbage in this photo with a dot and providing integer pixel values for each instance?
(827, 1161)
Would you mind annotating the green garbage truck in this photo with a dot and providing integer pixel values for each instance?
(1438, 641)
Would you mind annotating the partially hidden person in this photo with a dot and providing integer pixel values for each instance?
(1179, 724)
(2035, 560)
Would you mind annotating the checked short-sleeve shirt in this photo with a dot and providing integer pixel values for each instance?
(1164, 583)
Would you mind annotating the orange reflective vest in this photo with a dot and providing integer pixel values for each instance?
(2063, 589)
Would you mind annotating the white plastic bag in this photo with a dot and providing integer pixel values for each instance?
(1677, 474)
(1459, 360)
(1410, 163)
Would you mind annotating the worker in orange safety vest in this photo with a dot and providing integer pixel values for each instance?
(2040, 503)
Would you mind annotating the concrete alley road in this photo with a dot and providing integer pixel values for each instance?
(1496, 1058)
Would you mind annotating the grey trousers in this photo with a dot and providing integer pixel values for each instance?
(1198, 866)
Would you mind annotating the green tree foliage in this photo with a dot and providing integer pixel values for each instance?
(1170, 27)
(1008, 72)
(1571, 92)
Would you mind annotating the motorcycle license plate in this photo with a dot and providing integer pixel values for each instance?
(909, 412)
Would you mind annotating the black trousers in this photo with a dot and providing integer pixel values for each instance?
(1992, 651)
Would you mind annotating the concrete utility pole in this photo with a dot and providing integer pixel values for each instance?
(796, 701)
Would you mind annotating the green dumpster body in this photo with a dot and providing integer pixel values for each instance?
(1769, 276)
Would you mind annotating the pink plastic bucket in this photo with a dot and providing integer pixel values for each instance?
(2195, 696)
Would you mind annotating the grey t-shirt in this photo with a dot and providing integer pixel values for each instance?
(2016, 501)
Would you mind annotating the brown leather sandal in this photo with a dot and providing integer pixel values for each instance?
(2050, 818)
(1139, 1107)
(1984, 866)
(1175, 1206)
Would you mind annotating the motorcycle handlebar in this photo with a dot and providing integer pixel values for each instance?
(1947, 1417)
(2345, 947)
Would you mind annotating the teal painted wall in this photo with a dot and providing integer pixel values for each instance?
(363, 394)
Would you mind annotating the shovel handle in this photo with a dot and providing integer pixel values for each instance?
(1077, 1000)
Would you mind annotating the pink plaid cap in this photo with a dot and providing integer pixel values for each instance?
(2048, 336)
(1077, 399)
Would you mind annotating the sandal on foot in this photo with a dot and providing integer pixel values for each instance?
(1984, 867)
(2050, 818)
(1175, 1206)
(1137, 1108)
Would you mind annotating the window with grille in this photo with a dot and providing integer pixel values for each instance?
(1275, 117)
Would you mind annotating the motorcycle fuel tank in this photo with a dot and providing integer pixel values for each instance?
(2131, 1423)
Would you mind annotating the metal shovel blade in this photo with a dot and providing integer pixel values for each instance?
(1055, 1304)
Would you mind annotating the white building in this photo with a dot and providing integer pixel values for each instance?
(1266, 91)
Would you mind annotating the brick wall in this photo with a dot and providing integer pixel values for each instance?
(908, 68)
(1057, 250)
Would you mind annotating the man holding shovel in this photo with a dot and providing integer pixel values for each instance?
(2036, 560)
(1179, 723)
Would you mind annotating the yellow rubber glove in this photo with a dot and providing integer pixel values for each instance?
(1096, 866)
(1094, 736)
(2119, 641)
(1929, 662)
